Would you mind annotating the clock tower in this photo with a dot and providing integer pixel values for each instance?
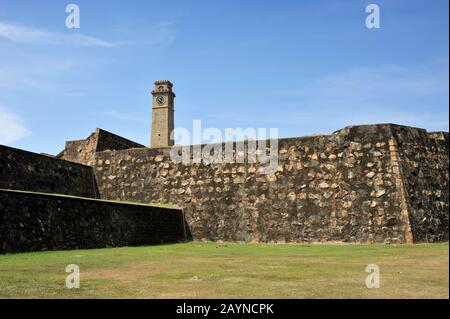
(162, 114)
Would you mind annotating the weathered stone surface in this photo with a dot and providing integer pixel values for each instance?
(379, 193)
(370, 174)
(32, 222)
(324, 185)
(29, 171)
(82, 151)
(342, 184)
(424, 166)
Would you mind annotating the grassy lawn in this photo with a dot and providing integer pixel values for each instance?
(211, 270)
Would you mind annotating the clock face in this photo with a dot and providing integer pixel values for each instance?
(160, 99)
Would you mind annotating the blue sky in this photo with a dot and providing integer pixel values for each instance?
(305, 67)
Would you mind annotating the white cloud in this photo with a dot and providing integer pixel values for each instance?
(26, 35)
(11, 127)
(27, 71)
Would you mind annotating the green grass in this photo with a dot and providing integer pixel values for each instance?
(211, 270)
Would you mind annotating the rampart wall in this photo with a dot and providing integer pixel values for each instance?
(373, 183)
(35, 221)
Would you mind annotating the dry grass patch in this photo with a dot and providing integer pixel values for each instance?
(209, 270)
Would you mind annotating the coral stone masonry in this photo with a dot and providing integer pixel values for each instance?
(373, 183)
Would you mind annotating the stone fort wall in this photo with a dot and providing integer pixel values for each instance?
(82, 151)
(35, 221)
(424, 169)
(22, 170)
(33, 218)
(374, 183)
